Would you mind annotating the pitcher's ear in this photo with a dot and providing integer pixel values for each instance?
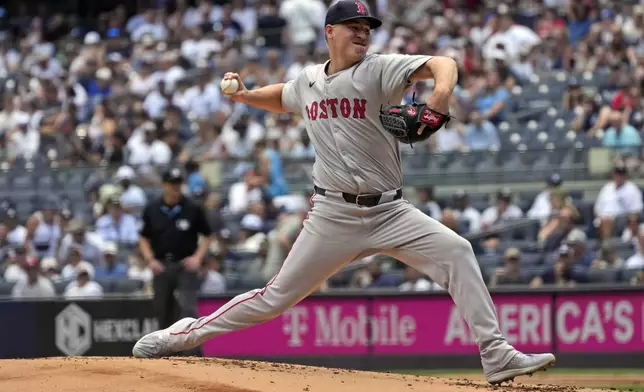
(328, 31)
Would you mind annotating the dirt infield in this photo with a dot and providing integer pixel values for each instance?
(98, 374)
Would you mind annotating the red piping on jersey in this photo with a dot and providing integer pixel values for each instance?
(243, 300)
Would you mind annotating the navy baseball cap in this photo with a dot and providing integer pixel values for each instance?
(555, 180)
(173, 175)
(345, 10)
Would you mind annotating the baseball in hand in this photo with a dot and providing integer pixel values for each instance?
(229, 86)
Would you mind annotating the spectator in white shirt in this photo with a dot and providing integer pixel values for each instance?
(49, 269)
(152, 25)
(75, 264)
(214, 282)
(450, 139)
(16, 233)
(428, 203)
(45, 66)
(242, 194)
(196, 16)
(302, 60)
(144, 80)
(138, 269)
(464, 212)
(117, 226)
(33, 285)
(618, 197)
(241, 134)
(504, 210)
(78, 237)
(511, 36)
(133, 197)
(636, 261)
(23, 139)
(83, 287)
(17, 262)
(632, 227)
(151, 151)
(201, 100)
(416, 281)
(305, 20)
(542, 207)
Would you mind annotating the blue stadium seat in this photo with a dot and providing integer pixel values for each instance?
(46, 183)
(586, 210)
(531, 259)
(486, 261)
(609, 275)
(627, 275)
(107, 284)
(60, 286)
(127, 286)
(534, 270)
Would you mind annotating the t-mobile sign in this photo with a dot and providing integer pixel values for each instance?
(391, 325)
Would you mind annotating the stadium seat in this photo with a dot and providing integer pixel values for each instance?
(107, 284)
(627, 275)
(610, 275)
(127, 286)
(531, 259)
(60, 286)
(5, 288)
(486, 261)
(534, 270)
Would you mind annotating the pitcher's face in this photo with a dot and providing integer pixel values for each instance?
(350, 39)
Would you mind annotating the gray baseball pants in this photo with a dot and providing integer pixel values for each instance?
(337, 233)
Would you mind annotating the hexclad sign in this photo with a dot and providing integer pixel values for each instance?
(73, 330)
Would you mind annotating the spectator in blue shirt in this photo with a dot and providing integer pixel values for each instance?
(269, 169)
(195, 181)
(100, 88)
(581, 17)
(582, 256)
(621, 136)
(490, 101)
(111, 268)
(117, 226)
(481, 134)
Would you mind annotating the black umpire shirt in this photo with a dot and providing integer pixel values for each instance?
(174, 231)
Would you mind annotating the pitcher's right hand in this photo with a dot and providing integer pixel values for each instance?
(237, 96)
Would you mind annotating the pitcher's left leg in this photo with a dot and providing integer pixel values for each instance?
(407, 234)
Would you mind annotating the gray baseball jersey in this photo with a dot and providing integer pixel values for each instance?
(355, 155)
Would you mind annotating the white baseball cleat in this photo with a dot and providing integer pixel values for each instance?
(521, 365)
(153, 345)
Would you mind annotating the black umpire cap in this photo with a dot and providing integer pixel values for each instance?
(173, 175)
(344, 10)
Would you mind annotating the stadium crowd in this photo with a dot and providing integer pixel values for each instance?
(139, 91)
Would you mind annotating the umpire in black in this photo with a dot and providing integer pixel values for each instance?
(172, 227)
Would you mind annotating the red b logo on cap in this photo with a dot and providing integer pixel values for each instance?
(361, 8)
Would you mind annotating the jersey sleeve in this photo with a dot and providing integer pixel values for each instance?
(291, 95)
(395, 72)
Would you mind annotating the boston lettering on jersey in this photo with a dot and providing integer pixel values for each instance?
(334, 108)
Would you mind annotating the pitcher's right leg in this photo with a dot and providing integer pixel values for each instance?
(328, 241)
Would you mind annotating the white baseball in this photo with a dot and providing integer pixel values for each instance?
(229, 86)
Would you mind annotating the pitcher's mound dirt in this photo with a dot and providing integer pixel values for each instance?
(98, 374)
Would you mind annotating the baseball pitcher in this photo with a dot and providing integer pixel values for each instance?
(351, 107)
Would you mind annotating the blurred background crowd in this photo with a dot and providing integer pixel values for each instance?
(95, 103)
